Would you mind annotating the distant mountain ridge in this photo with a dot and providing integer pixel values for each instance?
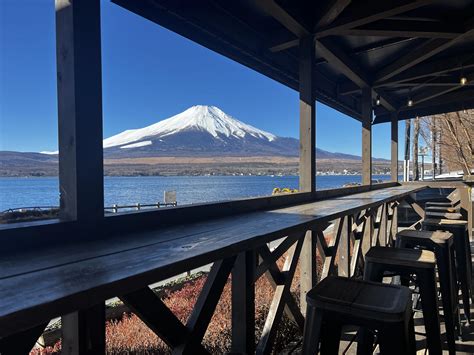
(200, 131)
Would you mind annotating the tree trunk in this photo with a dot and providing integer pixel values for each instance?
(416, 134)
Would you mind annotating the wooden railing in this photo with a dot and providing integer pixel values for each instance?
(358, 222)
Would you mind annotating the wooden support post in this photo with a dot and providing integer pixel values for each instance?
(83, 332)
(367, 136)
(343, 265)
(78, 55)
(406, 161)
(243, 304)
(307, 167)
(394, 147)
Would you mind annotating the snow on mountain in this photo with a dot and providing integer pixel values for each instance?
(201, 118)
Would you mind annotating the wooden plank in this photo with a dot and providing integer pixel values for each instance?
(367, 136)
(394, 147)
(243, 304)
(307, 165)
(83, 331)
(79, 82)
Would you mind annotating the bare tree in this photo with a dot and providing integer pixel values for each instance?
(416, 135)
(451, 136)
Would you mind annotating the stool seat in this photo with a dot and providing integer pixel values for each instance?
(440, 214)
(438, 237)
(442, 204)
(451, 223)
(403, 257)
(442, 209)
(362, 299)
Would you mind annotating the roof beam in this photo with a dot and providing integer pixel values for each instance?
(433, 68)
(332, 10)
(283, 17)
(403, 28)
(365, 14)
(338, 59)
(422, 53)
(432, 93)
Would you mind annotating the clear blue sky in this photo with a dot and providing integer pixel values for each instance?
(149, 74)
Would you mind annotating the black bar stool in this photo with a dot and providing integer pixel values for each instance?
(445, 209)
(406, 262)
(441, 243)
(442, 214)
(459, 229)
(338, 301)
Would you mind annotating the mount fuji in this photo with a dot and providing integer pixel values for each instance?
(199, 131)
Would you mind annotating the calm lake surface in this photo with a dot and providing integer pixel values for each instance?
(30, 192)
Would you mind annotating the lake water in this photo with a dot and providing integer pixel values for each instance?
(30, 192)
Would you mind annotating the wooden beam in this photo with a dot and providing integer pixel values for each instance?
(282, 16)
(307, 163)
(78, 54)
(359, 15)
(331, 11)
(432, 68)
(404, 28)
(394, 147)
(205, 306)
(422, 53)
(157, 316)
(431, 93)
(367, 136)
(339, 60)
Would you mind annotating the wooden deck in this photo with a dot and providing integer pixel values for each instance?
(55, 281)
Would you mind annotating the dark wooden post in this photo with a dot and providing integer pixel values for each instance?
(394, 147)
(307, 166)
(367, 136)
(243, 303)
(78, 54)
(406, 162)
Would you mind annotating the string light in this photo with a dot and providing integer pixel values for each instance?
(463, 80)
(377, 100)
(410, 103)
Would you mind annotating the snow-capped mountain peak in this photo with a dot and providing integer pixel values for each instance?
(201, 118)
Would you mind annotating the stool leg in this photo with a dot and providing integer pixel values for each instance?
(397, 339)
(450, 306)
(461, 268)
(427, 284)
(365, 341)
(331, 336)
(312, 330)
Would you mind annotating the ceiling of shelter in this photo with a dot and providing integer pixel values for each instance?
(405, 50)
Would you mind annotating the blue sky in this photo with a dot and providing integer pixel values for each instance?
(149, 74)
